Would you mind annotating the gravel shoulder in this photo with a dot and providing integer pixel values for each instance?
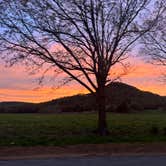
(112, 149)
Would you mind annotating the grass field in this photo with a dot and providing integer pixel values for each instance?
(62, 129)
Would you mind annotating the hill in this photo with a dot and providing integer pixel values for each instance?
(120, 98)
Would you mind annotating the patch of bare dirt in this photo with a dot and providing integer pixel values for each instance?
(82, 150)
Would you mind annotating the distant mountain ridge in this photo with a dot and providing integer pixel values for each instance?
(120, 98)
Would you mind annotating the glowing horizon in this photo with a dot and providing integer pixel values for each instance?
(17, 85)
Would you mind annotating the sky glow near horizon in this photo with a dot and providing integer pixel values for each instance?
(17, 85)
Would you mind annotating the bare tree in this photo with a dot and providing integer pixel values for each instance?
(154, 42)
(82, 38)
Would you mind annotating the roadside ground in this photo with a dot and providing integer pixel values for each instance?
(111, 149)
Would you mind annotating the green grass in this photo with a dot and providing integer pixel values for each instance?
(62, 129)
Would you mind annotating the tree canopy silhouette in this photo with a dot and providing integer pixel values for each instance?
(154, 42)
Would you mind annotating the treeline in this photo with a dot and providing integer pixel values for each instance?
(18, 107)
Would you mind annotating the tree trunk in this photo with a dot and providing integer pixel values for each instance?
(101, 106)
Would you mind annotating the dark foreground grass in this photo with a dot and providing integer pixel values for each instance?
(65, 129)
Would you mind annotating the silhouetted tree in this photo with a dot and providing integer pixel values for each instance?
(82, 38)
(154, 42)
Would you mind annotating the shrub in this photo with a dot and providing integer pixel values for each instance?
(154, 130)
(164, 130)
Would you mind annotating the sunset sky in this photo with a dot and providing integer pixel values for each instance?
(17, 85)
